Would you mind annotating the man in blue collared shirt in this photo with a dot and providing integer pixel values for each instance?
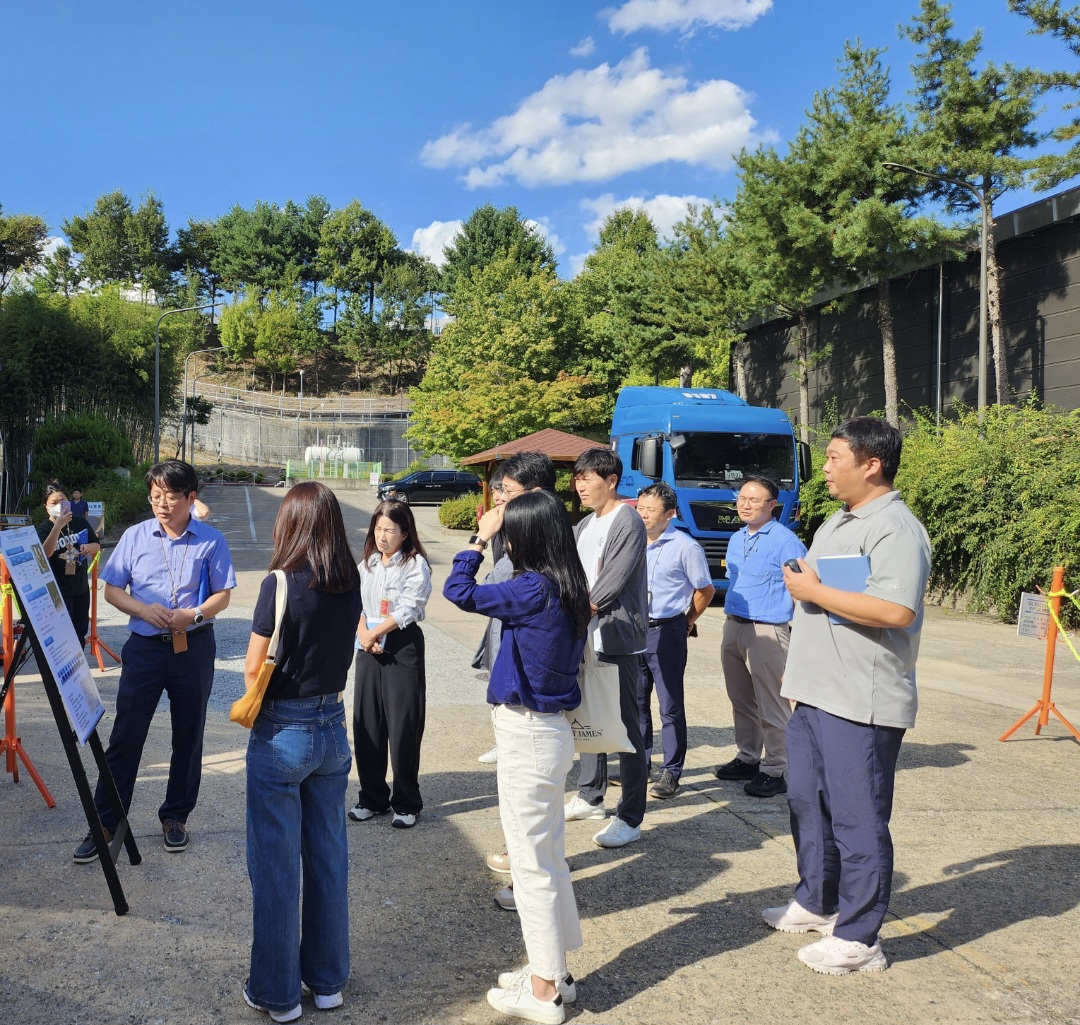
(171, 574)
(756, 632)
(680, 589)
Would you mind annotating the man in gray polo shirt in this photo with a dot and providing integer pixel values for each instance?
(851, 673)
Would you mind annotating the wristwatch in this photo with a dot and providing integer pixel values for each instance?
(476, 539)
(199, 617)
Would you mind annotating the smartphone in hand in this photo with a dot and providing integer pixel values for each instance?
(65, 507)
(793, 565)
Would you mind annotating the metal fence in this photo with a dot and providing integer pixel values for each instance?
(272, 438)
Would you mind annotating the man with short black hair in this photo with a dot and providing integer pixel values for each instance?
(851, 673)
(756, 631)
(171, 574)
(680, 589)
(611, 544)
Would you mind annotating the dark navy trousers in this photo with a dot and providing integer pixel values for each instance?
(150, 668)
(840, 794)
(663, 666)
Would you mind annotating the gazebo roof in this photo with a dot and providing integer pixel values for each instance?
(558, 446)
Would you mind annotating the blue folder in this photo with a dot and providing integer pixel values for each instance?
(845, 573)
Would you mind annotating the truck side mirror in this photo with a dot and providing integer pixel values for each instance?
(806, 462)
(652, 458)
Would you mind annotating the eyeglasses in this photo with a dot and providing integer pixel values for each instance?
(510, 490)
(747, 500)
(165, 500)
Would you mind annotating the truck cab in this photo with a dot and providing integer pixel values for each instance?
(703, 442)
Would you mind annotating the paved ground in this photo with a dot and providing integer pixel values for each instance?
(982, 926)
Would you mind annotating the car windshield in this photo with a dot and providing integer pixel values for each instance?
(711, 460)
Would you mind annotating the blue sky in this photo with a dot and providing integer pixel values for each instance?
(424, 110)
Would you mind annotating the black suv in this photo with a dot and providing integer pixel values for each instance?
(431, 486)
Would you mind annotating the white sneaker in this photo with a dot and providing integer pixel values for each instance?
(617, 833)
(290, 1015)
(362, 814)
(566, 985)
(793, 917)
(578, 808)
(519, 1002)
(498, 863)
(403, 820)
(834, 956)
(489, 757)
(323, 1001)
(505, 898)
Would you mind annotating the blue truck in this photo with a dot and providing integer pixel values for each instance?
(703, 442)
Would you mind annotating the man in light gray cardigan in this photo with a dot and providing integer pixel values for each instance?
(611, 543)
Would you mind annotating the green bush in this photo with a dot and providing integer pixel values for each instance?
(1000, 501)
(78, 451)
(459, 513)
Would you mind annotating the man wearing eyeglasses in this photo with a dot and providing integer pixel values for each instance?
(756, 632)
(171, 574)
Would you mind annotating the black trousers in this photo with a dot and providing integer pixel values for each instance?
(388, 718)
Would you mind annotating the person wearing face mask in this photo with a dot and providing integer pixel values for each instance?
(70, 544)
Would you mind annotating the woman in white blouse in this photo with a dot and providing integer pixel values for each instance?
(390, 686)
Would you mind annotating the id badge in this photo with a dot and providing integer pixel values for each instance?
(69, 569)
(179, 641)
(384, 607)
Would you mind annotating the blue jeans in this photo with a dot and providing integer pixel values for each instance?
(298, 764)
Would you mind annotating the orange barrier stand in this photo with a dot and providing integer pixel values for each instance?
(1045, 706)
(10, 744)
(96, 643)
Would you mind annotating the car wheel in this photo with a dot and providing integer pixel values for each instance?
(401, 497)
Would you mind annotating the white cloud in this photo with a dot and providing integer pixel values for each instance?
(586, 48)
(432, 240)
(665, 211)
(684, 15)
(543, 227)
(593, 125)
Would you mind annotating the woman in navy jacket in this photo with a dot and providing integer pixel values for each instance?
(544, 609)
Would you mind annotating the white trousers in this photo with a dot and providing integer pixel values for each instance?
(536, 750)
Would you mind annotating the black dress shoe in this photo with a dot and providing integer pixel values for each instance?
(766, 786)
(736, 769)
(665, 786)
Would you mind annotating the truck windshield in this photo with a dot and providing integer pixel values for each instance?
(711, 460)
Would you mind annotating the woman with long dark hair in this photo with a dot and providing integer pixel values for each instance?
(391, 686)
(545, 611)
(298, 761)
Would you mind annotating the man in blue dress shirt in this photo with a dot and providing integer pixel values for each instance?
(680, 589)
(171, 574)
(756, 633)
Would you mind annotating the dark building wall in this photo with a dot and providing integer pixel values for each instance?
(1040, 314)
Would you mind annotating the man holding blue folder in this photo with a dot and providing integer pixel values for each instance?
(851, 674)
(171, 574)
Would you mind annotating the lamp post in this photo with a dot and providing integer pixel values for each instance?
(157, 371)
(301, 392)
(183, 427)
(984, 233)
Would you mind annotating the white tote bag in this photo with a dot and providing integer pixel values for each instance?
(597, 721)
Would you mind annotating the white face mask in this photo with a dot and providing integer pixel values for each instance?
(54, 510)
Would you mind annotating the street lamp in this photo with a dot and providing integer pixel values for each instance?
(157, 371)
(301, 391)
(183, 428)
(984, 233)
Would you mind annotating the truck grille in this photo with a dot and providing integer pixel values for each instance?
(715, 516)
(715, 553)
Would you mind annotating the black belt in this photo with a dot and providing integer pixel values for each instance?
(751, 622)
(168, 637)
(670, 619)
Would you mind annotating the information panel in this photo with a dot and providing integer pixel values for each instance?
(41, 602)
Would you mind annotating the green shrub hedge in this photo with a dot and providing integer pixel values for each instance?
(459, 513)
(1000, 501)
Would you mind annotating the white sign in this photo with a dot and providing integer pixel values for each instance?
(1033, 619)
(96, 517)
(373, 479)
(42, 603)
